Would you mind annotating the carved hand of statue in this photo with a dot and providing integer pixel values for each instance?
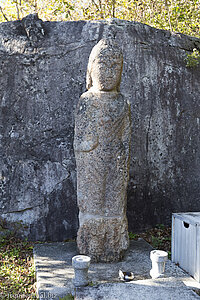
(86, 144)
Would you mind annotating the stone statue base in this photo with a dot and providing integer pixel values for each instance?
(104, 239)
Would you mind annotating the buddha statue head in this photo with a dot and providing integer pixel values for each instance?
(105, 66)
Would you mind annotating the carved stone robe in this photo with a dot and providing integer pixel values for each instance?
(101, 144)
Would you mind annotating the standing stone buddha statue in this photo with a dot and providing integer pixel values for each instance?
(102, 152)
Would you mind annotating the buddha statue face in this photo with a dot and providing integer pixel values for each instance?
(105, 67)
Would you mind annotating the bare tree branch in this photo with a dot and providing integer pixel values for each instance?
(35, 6)
(113, 8)
(169, 17)
(96, 6)
(17, 7)
(101, 9)
(1, 9)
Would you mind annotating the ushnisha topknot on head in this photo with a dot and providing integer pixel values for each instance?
(104, 48)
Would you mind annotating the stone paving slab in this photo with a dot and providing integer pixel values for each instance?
(54, 274)
(138, 290)
(53, 269)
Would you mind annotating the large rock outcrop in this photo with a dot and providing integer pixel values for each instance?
(42, 75)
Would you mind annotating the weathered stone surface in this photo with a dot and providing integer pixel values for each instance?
(104, 239)
(40, 86)
(33, 27)
(102, 151)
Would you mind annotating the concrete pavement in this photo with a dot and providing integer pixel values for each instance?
(54, 276)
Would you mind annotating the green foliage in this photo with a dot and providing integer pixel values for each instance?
(17, 273)
(174, 15)
(160, 226)
(156, 242)
(159, 239)
(67, 297)
(132, 236)
(193, 60)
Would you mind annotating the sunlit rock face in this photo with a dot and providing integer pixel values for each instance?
(102, 151)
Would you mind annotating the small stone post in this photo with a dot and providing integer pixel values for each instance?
(81, 264)
(158, 259)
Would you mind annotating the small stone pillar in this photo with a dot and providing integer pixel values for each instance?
(81, 264)
(102, 152)
(158, 258)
